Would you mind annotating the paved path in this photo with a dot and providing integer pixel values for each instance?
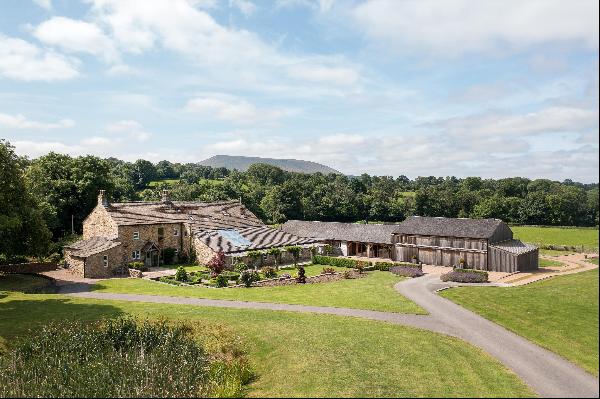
(545, 372)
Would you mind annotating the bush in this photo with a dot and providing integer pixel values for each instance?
(137, 266)
(338, 262)
(466, 276)
(217, 263)
(120, 358)
(328, 270)
(168, 255)
(269, 272)
(181, 274)
(407, 271)
(12, 260)
(233, 276)
(386, 266)
(240, 267)
(347, 274)
(360, 267)
(247, 277)
(301, 275)
(221, 281)
(53, 258)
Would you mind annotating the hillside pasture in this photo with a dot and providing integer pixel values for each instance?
(542, 236)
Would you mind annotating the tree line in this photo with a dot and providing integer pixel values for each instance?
(44, 199)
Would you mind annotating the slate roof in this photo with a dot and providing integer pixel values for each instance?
(250, 238)
(209, 215)
(373, 233)
(91, 246)
(449, 227)
(514, 246)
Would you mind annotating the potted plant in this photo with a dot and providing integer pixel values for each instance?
(414, 259)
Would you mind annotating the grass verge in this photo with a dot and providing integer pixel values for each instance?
(560, 314)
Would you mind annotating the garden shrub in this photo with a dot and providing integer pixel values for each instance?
(386, 266)
(233, 276)
(466, 276)
(169, 280)
(120, 358)
(247, 277)
(137, 266)
(360, 267)
(168, 255)
(338, 262)
(217, 263)
(181, 274)
(269, 272)
(328, 270)
(301, 275)
(221, 281)
(347, 274)
(407, 271)
(240, 267)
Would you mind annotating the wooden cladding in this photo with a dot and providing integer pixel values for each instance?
(445, 242)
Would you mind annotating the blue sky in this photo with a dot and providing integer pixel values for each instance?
(387, 87)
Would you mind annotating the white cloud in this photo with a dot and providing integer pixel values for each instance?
(548, 120)
(246, 7)
(76, 36)
(122, 70)
(233, 109)
(22, 60)
(457, 27)
(34, 149)
(324, 74)
(21, 122)
(46, 4)
(129, 128)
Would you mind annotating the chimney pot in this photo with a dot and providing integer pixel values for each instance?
(165, 196)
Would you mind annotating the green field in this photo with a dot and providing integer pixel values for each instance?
(374, 292)
(305, 355)
(557, 236)
(560, 314)
(163, 181)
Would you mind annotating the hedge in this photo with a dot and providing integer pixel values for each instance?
(385, 266)
(339, 262)
(465, 276)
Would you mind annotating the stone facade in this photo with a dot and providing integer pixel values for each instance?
(99, 223)
(95, 267)
(75, 264)
(203, 252)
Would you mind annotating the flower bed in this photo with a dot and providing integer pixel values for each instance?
(407, 270)
(466, 276)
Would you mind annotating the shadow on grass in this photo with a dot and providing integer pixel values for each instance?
(20, 315)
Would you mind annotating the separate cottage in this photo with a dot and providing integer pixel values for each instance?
(116, 234)
(485, 244)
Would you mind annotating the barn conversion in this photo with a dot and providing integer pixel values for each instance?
(485, 244)
(116, 234)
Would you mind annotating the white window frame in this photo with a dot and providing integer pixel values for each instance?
(136, 255)
(105, 260)
(136, 235)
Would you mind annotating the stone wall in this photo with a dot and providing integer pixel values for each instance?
(99, 224)
(28, 267)
(203, 252)
(74, 264)
(149, 232)
(94, 265)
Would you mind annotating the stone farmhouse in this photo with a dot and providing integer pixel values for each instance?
(116, 234)
(484, 244)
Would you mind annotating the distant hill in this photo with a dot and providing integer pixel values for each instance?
(242, 163)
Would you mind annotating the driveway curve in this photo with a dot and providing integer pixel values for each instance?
(548, 374)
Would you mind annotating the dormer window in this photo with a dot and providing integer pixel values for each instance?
(136, 235)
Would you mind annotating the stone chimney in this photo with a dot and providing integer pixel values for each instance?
(165, 196)
(103, 199)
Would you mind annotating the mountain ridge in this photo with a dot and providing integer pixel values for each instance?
(242, 163)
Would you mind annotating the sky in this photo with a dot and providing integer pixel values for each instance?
(387, 87)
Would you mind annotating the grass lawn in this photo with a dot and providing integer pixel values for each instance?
(374, 292)
(557, 236)
(560, 314)
(306, 355)
(594, 261)
(548, 263)
(26, 283)
(163, 181)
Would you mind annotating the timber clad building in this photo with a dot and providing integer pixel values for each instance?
(484, 244)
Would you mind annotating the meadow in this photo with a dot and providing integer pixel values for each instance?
(576, 237)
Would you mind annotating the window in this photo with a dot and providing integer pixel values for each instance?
(175, 232)
(136, 235)
(135, 255)
(105, 260)
(161, 233)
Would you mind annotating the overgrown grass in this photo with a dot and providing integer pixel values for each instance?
(118, 358)
(557, 236)
(560, 314)
(373, 292)
(307, 355)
